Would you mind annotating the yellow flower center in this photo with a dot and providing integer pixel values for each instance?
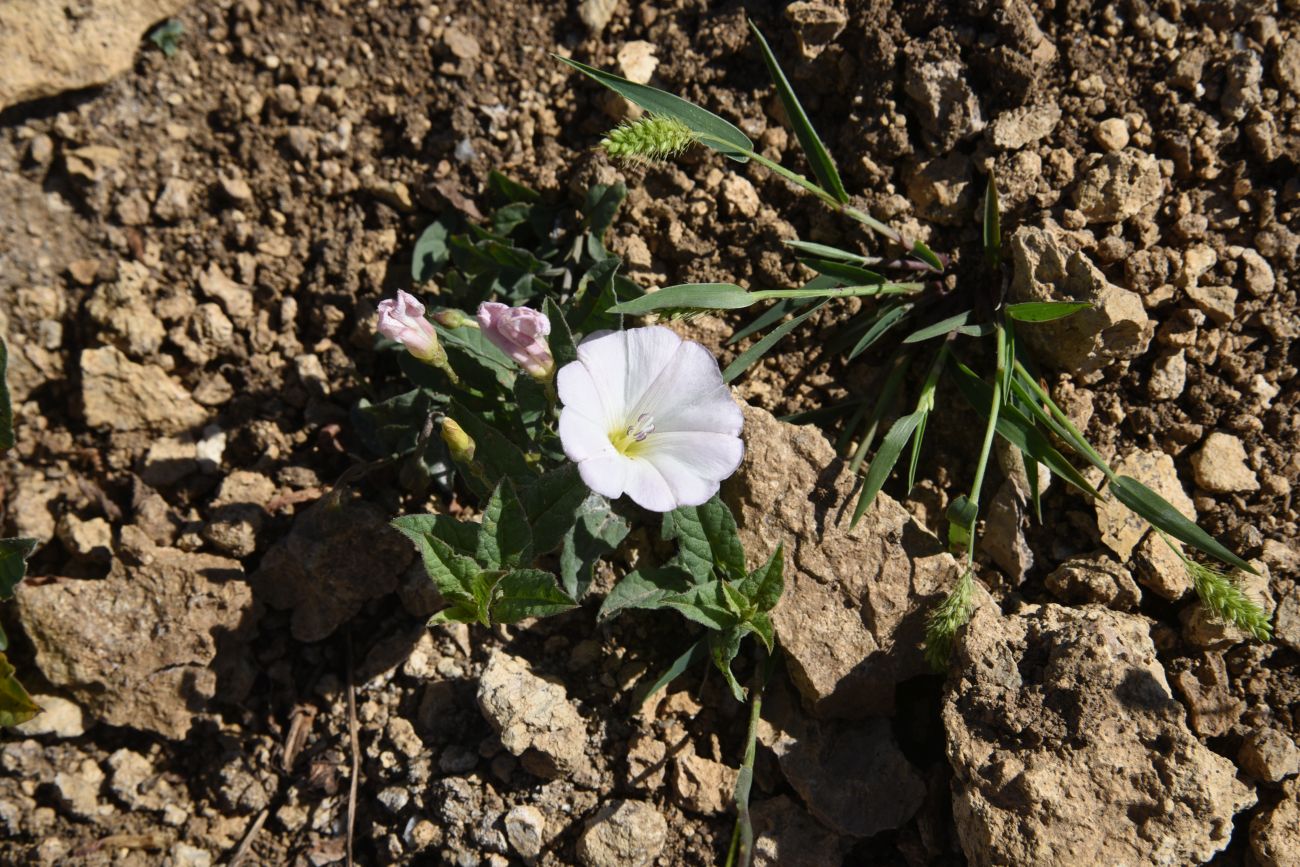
(630, 440)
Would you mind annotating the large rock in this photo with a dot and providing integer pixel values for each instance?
(535, 720)
(786, 836)
(1275, 833)
(852, 775)
(852, 617)
(336, 558)
(1067, 746)
(1116, 186)
(623, 834)
(137, 648)
(1115, 328)
(51, 46)
(118, 393)
(943, 100)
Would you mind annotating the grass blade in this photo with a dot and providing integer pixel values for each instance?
(697, 652)
(992, 224)
(1016, 428)
(850, 274)
(926, 255)
(1045, 311)
(1156, 510)
(743, 361)
(825, 251)
(688, 296)
(939, 329)
(818, 158)
(891, 447)
(722, 136)
(888, 318)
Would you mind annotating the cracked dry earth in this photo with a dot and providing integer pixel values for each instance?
(191, 248)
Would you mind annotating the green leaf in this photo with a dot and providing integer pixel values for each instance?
(763, 586)
(697, 652)
(644, 588)
(940, 328)
(1157, 510)
(886, 457)
(1019, 430)
(596, 532)
(705, 604)
(761, 625)
(926, 255)
(717, 133)
(460, 536)
(850, 275)
(564, 348)
(453, 574)
(707, 538)
(820, 161)
(506, 190)
(457, 613)
(6, 408)
(1045, 311)
(497, 454)
(13, 563)
(688, 296)
(16, 706)
(528, 593)
(603, 201)
(992, 224)
(961, 517)
(825, 251)
(469, 343)
(761, 347)
(431, 252)
(587, 311)
(723, 648)
(506, 541)
(768, 317)
(392, 427)
(887, 319)
(552, 503)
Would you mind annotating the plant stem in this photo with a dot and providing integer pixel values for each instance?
(841, 292)
(1076, 438)
(887, 232)
(741, 849)
(987, 448)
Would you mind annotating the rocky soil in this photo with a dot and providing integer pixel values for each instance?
(225, 642)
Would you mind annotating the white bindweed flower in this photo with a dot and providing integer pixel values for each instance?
(647, 414)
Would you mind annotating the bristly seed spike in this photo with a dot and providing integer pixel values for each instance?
(649, 139)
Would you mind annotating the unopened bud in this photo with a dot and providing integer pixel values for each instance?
(520, 333)
(459, 444)
(454, 319)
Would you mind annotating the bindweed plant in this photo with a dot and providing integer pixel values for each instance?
(16, 706)
(544, 416)
(925, 323)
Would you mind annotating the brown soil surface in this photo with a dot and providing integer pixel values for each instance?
(295, 151)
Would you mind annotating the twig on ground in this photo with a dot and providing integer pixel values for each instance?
(246, 844)
(356, 753)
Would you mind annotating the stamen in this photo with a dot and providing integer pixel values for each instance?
(642, 427)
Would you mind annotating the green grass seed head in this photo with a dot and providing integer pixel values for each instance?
(648, 139)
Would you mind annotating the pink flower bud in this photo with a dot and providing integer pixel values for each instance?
(521, 334)
(402, 319)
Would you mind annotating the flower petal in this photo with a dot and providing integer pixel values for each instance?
(623, 364)
(647, 487)
(689, 395)
(583, 437)
(693, 463)
(607, 475)
(578, 391)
